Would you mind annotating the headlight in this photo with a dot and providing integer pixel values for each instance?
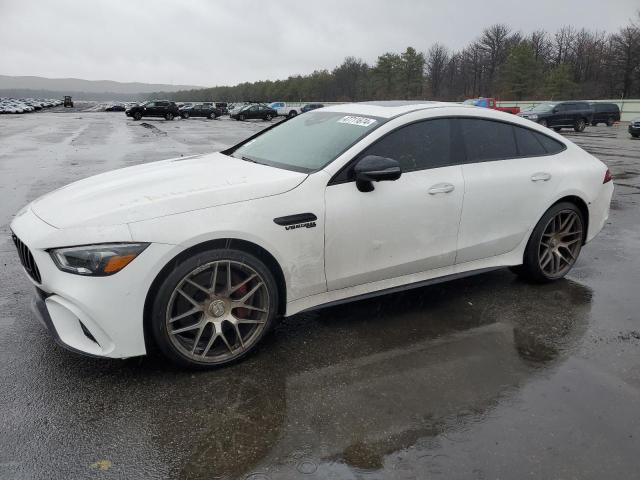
(533, 116)
(96, 260)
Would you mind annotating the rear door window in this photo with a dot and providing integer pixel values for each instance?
(528, 144)
(487, 140)
(550, 145)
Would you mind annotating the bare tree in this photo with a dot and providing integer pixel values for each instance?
(437, 59)
(494, 44)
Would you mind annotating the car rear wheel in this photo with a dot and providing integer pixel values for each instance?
(609, 122)
(268, 117)
(214, 308)
(292, 113)
(580, 125)
(543, 123)
(241, 117)
(137, 116)
(212, 116)
(169, 116)
(554, 245)
(185, 115)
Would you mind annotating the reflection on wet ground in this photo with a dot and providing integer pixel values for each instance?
(484, 377)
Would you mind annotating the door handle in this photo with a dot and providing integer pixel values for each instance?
(441, 188)
(540, 176)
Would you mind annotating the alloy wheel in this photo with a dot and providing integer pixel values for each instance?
(217, 312)
(560, 243)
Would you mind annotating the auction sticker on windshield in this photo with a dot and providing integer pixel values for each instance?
(353, 120)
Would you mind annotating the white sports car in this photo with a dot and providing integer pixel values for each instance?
(200, 255)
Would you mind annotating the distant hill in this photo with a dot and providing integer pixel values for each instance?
(69, 86)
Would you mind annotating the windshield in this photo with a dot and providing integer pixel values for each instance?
(543, 107)
(308, 142)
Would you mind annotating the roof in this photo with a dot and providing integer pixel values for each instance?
(387, 109)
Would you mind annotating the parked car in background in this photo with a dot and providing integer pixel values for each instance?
(253, 111)
(116, 107)
(68, 103)
(155, 108)
(223, 107)
(200, 110)
(608, 113)
(490, 103)
(558, 115)
(236, 107)
(285, 110)
(311, 106)
(634, 127)
(26, 105)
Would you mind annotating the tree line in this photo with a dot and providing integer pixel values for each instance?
(502, 63)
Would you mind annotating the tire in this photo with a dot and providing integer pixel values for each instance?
(137, 116)
(550, 256)
(268, 117)
(292, 113)
(240, 118)
(212, 116)
(185, 115)
(224, 333)
(609, 122)
(635, 135)
(557, 129)
(580, 125)
(168, 116)
(594, 124)
(543, 122)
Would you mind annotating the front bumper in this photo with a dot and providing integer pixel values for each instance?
(634, 129)
(100, 316)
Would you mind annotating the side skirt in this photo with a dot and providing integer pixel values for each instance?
(401, 288)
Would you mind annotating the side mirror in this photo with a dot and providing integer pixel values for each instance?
(373, 168)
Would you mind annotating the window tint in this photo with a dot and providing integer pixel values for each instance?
(417, 146)
(550, 145)
(486, 140)
(528, 144)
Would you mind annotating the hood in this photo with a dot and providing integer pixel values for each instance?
(161, 188)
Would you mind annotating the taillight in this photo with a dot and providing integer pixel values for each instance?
(607, 176)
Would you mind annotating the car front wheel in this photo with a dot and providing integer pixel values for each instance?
(240, 118)
(137, 116)
(610, 122)
(554, 245)
(169, 116)
(543, 122)
(214, 308)
(185, 115)
(268, 117)
(580, 125)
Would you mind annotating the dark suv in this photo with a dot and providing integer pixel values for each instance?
(155, 108)
(558, 115)
(608, 113)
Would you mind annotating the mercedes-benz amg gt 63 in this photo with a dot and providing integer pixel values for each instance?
(198, 257)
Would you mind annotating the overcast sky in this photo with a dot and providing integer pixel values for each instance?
(216, 42)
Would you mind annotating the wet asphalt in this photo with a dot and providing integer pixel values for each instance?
(481, 378)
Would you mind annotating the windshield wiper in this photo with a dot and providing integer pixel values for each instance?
(252, 160)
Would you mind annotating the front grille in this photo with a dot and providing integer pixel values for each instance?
(26, 258)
